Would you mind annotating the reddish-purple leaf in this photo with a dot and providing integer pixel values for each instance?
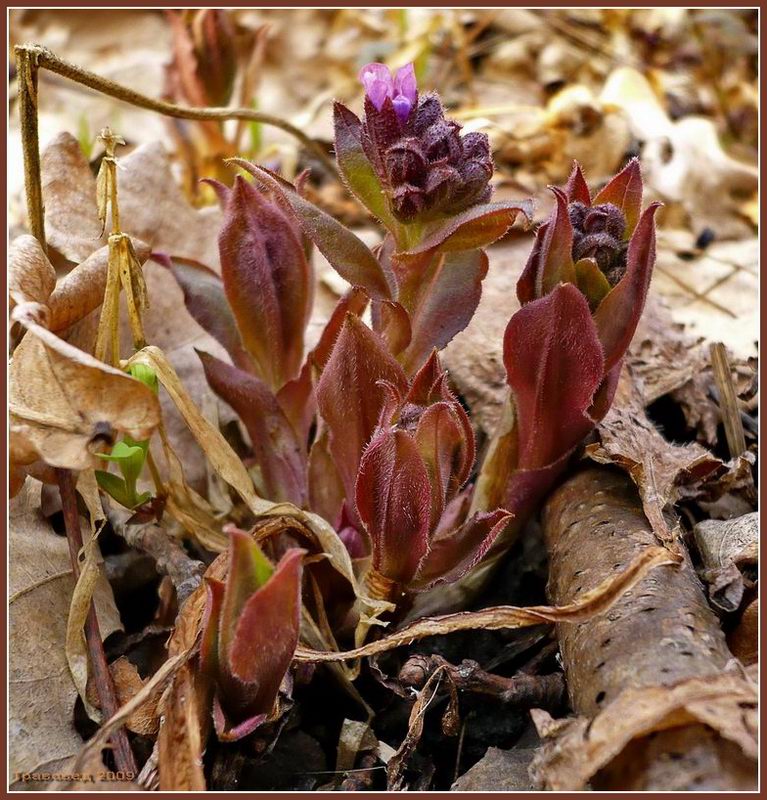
(441, 302)
(447, 452)
(345, 252)
(266, 634)
(210, 627)
(452, 554)
(350, 396)
(474, 228)
(277, 449)
(556, 260)
(554, 365)
(425, 388)
(625, 192)
(394, 326)
(526, 285)
(576, 189)
(393, 498)
(618, 314)
(228, 732)
(326, 489)
(268, 282)
(296, 397)
(206, 301)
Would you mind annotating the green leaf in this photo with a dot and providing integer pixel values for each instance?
(130, 458)
(355, 167)
(591, 281)
(115, 487)
(145, 374)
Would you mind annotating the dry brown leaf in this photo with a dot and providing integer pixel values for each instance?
(183, 720)
(153, 207)
(128, 683)
(727, 548)
(76, 646)
(69, 192)
(40, 584)
(684, 162)
(744, 640)
(31, 277)
(67, 405)
(658, 467)
(581, 748)
(590, 603)
(81, 290)
(723, 542)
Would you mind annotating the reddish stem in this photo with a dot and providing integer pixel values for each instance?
(124, 759)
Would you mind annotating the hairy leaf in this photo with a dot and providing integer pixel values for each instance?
(277, 450)
(554, 365)
(346, 253)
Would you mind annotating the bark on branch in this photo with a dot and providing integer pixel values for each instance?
(660, 634)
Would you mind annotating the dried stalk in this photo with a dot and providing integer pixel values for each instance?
(519, 691)
(42, 57)
(26, 69)
(659, 635)
(731, 417)
(105, 688)
(27, 65)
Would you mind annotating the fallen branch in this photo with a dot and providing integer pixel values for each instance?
(169, 556)
(519, 691)
(655, 664)
(38, 57)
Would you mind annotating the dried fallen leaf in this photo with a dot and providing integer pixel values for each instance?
(40, 585)
(153, 207)
(68, 405)
(674, 154)
(31, 277)
(726, 703)
(659, 468)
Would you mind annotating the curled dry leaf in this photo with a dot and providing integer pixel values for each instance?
(589, 604)
(583, 747)
(31, 277)
(40, 585)
(68, 406)
(153, 207)
(81, 290)
(727, 548)
(629, 440)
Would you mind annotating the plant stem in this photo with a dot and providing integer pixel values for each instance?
(26, 69)
(45, 58)
(124, 759)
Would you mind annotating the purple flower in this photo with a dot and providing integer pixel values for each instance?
(401, 89)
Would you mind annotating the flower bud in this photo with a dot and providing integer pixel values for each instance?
(427, 169)
(250, 633)
(420, 456)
